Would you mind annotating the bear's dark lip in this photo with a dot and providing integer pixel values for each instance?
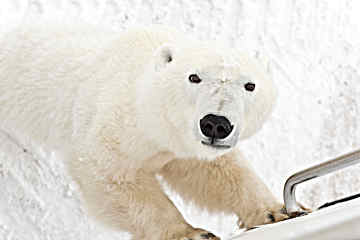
(215, 145)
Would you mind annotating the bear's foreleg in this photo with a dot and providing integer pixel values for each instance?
(226, 184)
(137, 205)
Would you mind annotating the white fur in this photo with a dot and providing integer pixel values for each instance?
(119, 111)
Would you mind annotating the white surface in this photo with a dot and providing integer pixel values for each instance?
(340, 221)
(313, 49)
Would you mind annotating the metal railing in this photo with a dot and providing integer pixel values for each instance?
(292, 207)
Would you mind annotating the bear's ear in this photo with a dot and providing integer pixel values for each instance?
(164, 55)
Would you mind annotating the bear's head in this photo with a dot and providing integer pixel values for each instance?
(199, 101)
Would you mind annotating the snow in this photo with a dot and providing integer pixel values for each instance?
(313, 52)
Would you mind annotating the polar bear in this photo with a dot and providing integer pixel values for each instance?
(124, 108)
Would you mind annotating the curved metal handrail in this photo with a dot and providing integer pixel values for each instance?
(291, 206)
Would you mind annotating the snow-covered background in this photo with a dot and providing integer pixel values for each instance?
(313, 49)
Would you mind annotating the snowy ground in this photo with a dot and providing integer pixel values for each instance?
(313, 49)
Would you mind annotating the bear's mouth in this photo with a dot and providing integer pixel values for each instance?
(215, 145)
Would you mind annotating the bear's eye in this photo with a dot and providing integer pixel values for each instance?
(250, 86)
(194, 78)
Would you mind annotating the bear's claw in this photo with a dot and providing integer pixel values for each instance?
(199, 234)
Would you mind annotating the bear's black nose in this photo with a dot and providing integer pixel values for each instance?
(215, 127)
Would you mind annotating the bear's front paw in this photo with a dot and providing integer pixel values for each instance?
(263, 216)
(191, 234)
(199, 234)
(269, 215)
